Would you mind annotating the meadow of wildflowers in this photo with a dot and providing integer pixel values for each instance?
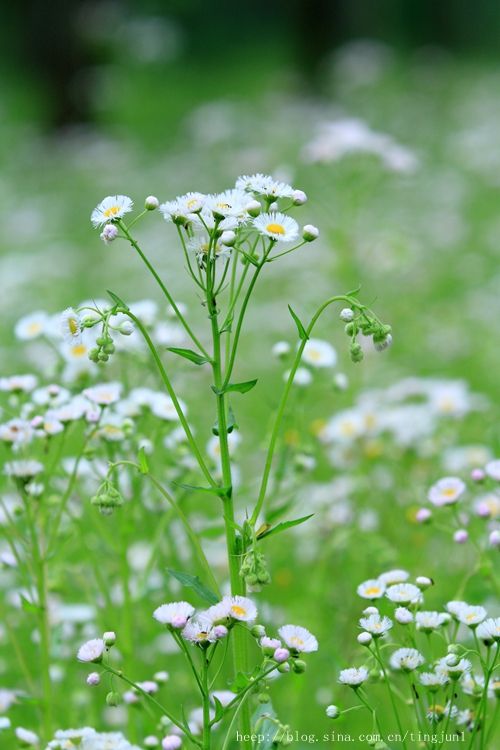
(250, 489)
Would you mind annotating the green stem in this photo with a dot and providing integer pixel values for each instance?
(207, 730)
(173, 396)
(283, 403)
(164, 289)
(391, 694)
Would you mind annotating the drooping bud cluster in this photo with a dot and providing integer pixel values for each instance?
(360, 319)
(107, 498)
(254, 569)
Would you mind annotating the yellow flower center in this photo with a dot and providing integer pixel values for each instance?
(79, 350)
(238, 611)
(34, 328)
(275, 228)
(111, 211)
(296, 641)
(449, 492)
(372, 591)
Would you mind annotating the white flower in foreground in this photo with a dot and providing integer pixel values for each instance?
(240, 608)
(429, 621)
(298, 639)
(318, 353)
(353, 676)
(449, 665)
(103, 394)
(394, 576)
(471, 615)
(406, 659)
(455, 607)
(183, 208)
(376, 625)
(32, 326)
(446, 491)
(371, 589)
(277, 226)
(91, 651)
(111, 208)
(26, 737)
(175, 614)
(403, 593)
(199, 631)
(489, 630)
(71, 325)
(229, 204)
(265, 185)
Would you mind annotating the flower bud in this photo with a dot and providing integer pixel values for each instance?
(299, 197)
(299, 666)
(281, 349)
(109, 638)
(113, 698)
(453, 648)
(424, 582)
(423, 515)
(228, 238)
(127, 328)
(284, 667)
(281, 655)
(346, 314)
(356, 351)
(310, 233)
(452, 660)
(258, 631)
(109, 233)
(365, 638)
(494, 538)
(403, 616)
(94, 678)
(370, 611)
(477, 475)
(160, 677)
(171, 742)
(253, 208)
(151, 203)
(151, 741)
(333, 712)
(273, 206)
(461, 536)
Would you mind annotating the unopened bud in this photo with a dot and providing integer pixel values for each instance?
(299, 197)
(310, 233)
(151, 203)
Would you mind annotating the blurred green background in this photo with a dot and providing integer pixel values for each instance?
(386, 113)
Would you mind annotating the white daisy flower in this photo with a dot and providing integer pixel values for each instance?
(371, 589)
(32, 326)
(18, 383)
(91, 651)
(71, 325)
(446, 491)
(199, 631)
(298, 639)
(353, 676)
(433, 680)
(302, 377)
(376, 625)
(111, 208)
(488, 505)
(163, 407)
(229, 204)
(344, 427)
(16, 431)
(452, 667)
(455, 607)
(104, 394)
(184, 208)
(277, 226)
(403, 593)
(394, 576)
(23, 469)
(318, 353)
(175, 614)
(265, 185)
(489, 630)
(406, 659)
(240, 608)
(471, 615)
(27, 737)
(429, 621)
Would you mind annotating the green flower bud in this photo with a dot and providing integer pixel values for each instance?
(356, 352)
(299, 666)
(113, 698)
(258, 631)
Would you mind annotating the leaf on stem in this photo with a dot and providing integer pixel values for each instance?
(116, 299)
(195, 488)
(282, 526)
(302, 331)
(235, 387)
(143, 461)
(231, 423)
(193, 582)
(188, 354)
(30, 606)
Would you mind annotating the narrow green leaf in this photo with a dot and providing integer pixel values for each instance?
(116, 299)
(188, 354)
(283, 526)
(143, 461)
(193, 582)
(353, 292)
(236, 387)
(29, 606)
(196, 488)
(302, 331)
(219, 708)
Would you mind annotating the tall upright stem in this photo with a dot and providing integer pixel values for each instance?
(233, 543)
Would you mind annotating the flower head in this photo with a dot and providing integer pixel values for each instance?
(318, 353)
(110, 209)
(406, 659)
(353, 676)
(298, 639)
(403, 593)
(91, 651)
(446, 491)
(376, 625)
(277, 226)
(71, 325)
(175, 614)
(371, 589)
